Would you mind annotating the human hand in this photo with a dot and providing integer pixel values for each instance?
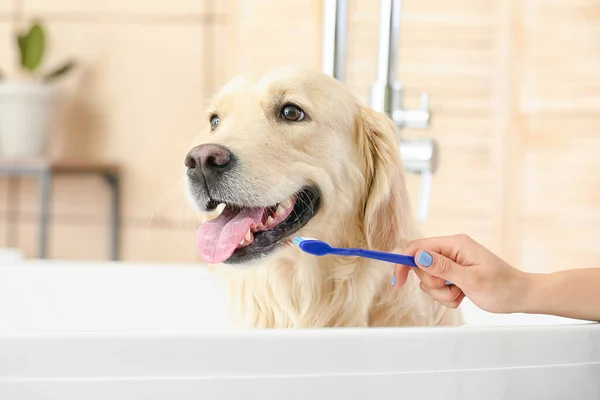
(488, 281)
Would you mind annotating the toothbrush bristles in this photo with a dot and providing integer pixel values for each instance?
(299, 239)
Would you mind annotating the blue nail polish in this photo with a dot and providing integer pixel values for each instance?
(393, 280)
(425, 259)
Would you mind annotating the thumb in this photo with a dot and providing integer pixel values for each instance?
(437, 265)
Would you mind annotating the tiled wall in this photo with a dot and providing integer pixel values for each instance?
(514, 88)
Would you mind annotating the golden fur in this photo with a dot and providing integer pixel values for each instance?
(351, 153)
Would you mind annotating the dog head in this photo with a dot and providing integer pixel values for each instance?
(293, 152)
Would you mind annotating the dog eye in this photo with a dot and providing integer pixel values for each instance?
(292, 113)
(214, 121)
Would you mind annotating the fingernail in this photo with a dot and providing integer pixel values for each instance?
(425, 259)
(393, 280)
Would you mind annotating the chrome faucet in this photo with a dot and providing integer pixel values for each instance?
(334, 38)
(420, 156)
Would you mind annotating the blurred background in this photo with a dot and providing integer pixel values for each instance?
(514, 92)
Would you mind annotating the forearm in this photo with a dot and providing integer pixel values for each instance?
(571, 294)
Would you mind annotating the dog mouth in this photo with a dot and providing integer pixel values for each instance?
(240, 234)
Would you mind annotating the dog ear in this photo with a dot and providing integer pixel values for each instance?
(388, 224)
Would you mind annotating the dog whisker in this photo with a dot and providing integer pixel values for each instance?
(164, 199)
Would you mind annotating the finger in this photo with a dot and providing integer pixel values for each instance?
(429, 280)
(437, 265)
(400, 275)
(445, 295)
(455, 303)
(453, 247)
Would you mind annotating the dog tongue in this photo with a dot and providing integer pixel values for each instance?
(218, 238)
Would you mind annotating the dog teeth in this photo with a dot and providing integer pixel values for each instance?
(270, 221)
(242, 242)
(248, 236)
(280, 211)
(286, 204)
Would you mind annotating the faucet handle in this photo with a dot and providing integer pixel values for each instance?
(418, 118)
(420, 156)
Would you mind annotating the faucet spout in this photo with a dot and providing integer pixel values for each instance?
(334, 38)
(389, 32)
(382, 91)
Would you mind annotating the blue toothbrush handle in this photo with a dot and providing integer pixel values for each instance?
(389, 257)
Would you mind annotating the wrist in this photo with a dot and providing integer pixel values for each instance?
(535, 295)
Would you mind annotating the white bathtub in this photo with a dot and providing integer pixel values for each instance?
(124, 331)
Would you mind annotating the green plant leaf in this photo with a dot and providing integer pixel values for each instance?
(34, 46)
(22, 43)
(59, 71)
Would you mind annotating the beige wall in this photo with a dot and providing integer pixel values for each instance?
(514, 88)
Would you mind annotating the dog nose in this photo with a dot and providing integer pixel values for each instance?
(208, 160)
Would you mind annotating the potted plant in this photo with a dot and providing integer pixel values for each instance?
(27, 102)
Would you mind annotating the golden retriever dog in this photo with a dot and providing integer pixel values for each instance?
(294, 153)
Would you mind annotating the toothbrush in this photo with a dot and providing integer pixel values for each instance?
(320, 248)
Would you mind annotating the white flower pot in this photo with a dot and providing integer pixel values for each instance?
(26, 113)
